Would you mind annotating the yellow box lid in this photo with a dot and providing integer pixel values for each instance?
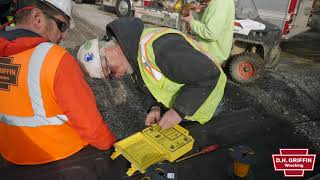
(153, 145)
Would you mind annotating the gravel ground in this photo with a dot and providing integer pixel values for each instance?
(121, 104)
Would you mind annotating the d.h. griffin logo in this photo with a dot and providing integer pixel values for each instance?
(8, 73)
(293, 162)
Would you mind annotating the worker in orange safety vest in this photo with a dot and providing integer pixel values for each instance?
(44, 99)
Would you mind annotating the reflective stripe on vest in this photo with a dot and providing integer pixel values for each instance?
(39, 118)
(153, 71)
(145, 40)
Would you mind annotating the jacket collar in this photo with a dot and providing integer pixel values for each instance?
(18, 40)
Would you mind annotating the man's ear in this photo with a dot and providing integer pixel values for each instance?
(37, 18)
(105, 68)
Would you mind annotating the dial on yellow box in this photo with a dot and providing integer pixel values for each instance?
(153, 145)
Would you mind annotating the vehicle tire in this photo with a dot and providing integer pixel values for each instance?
(275, 58)
(79, 1)
(245, 68)
(123, 8)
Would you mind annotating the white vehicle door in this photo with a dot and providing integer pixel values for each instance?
(301, 18)
(291, 16)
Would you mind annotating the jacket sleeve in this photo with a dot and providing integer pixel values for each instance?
(183, 64)
(78, 103)
(212, 23)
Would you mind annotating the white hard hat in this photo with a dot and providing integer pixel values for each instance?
(64, 6)
(90, 60)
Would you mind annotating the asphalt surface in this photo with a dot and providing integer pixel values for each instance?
(281, 110)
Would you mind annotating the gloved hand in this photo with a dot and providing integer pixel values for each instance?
(170, 119)
(153, 116)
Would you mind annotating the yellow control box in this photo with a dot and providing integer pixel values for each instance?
(153, 145)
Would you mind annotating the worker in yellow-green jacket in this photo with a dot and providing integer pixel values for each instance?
(165, 64)
(214, 30)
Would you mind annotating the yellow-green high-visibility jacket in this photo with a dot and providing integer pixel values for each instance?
(162, 88)
(215, 29)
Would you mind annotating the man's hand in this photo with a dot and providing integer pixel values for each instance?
(187, 19)
(170, 119)
(153, 116)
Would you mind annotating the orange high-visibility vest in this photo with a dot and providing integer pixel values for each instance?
(33, 129)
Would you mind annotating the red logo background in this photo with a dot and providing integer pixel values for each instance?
(293, 162)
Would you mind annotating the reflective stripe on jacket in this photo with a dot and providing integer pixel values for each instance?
(33, 129)
(162, 88)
